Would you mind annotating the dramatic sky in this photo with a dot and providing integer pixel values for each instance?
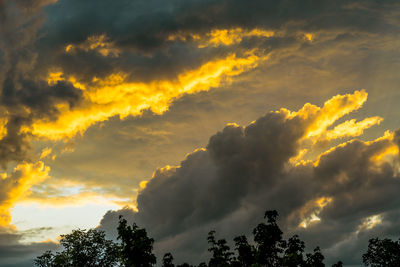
(192, 115)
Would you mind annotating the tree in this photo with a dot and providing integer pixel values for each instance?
(338, 264)
(82, 248)
(315, 259)
(293, 256)
(269, 242)
(91, 249)
(136, 247)
(45, 260)
(246, 252)
(168, 260)
(221, 254)
(383, 252)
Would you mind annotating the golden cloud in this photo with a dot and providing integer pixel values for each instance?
(16, 185)
(115, 96)
(99, 43)
(45, 152)
(310, 211)
(319, 119)
(351, 128)
(3, 127)
(221, 37)
(76, 199)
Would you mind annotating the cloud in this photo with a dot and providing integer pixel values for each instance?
(114, 96)
(154, 52)
(15, 253)
(61, 194)
(16, 185)
(244, 171)
(150, 25)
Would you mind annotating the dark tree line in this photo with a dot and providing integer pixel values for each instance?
(135, 249)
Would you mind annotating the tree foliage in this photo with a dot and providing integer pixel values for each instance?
(268, 249)
(382, 252)
(82, 248)
(136, 247)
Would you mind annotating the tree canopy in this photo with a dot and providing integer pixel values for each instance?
(134, 248)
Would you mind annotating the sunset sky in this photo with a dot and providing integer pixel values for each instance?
(192, 115)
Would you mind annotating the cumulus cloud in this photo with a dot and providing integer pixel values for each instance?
(330, 200)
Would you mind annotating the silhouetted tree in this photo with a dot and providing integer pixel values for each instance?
(91, 249)
(221, 254)
(168, 260)
(383, 252)
(293, 256)
(315, 259)
(82, 248)
(136, 247)
(269, 242)
(45, 260)
(338, 264)
(246, 252)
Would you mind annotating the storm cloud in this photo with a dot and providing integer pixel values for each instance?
(337, 200)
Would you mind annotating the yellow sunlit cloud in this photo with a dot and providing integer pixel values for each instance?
(55, 77)
(298, 159)
(352, 128)
(316, 121)
(114, 95)
(389, 150)
(309, 37)
(310, 211)
(16, 185)
(222, 37)
(320, 119)
(98, 43)
(143, 184)
(61, 193)
(45, 152)
(232, 36)
(78, 199)
(370, 222)
(3, 128)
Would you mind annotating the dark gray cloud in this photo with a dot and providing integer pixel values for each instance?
(245, 171)
(142, 30)
(14, 253)
(147, 25)
(23, 95)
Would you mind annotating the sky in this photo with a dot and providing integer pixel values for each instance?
(188, 115)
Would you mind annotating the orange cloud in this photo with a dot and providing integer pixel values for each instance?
(45, 152)
(16, 185)
(77, 199)
(99, 43)
(3, 128)
(114, 95)
(351, 128)
(232, 36)
(319, 119)
(310, 211)
(222, 37)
